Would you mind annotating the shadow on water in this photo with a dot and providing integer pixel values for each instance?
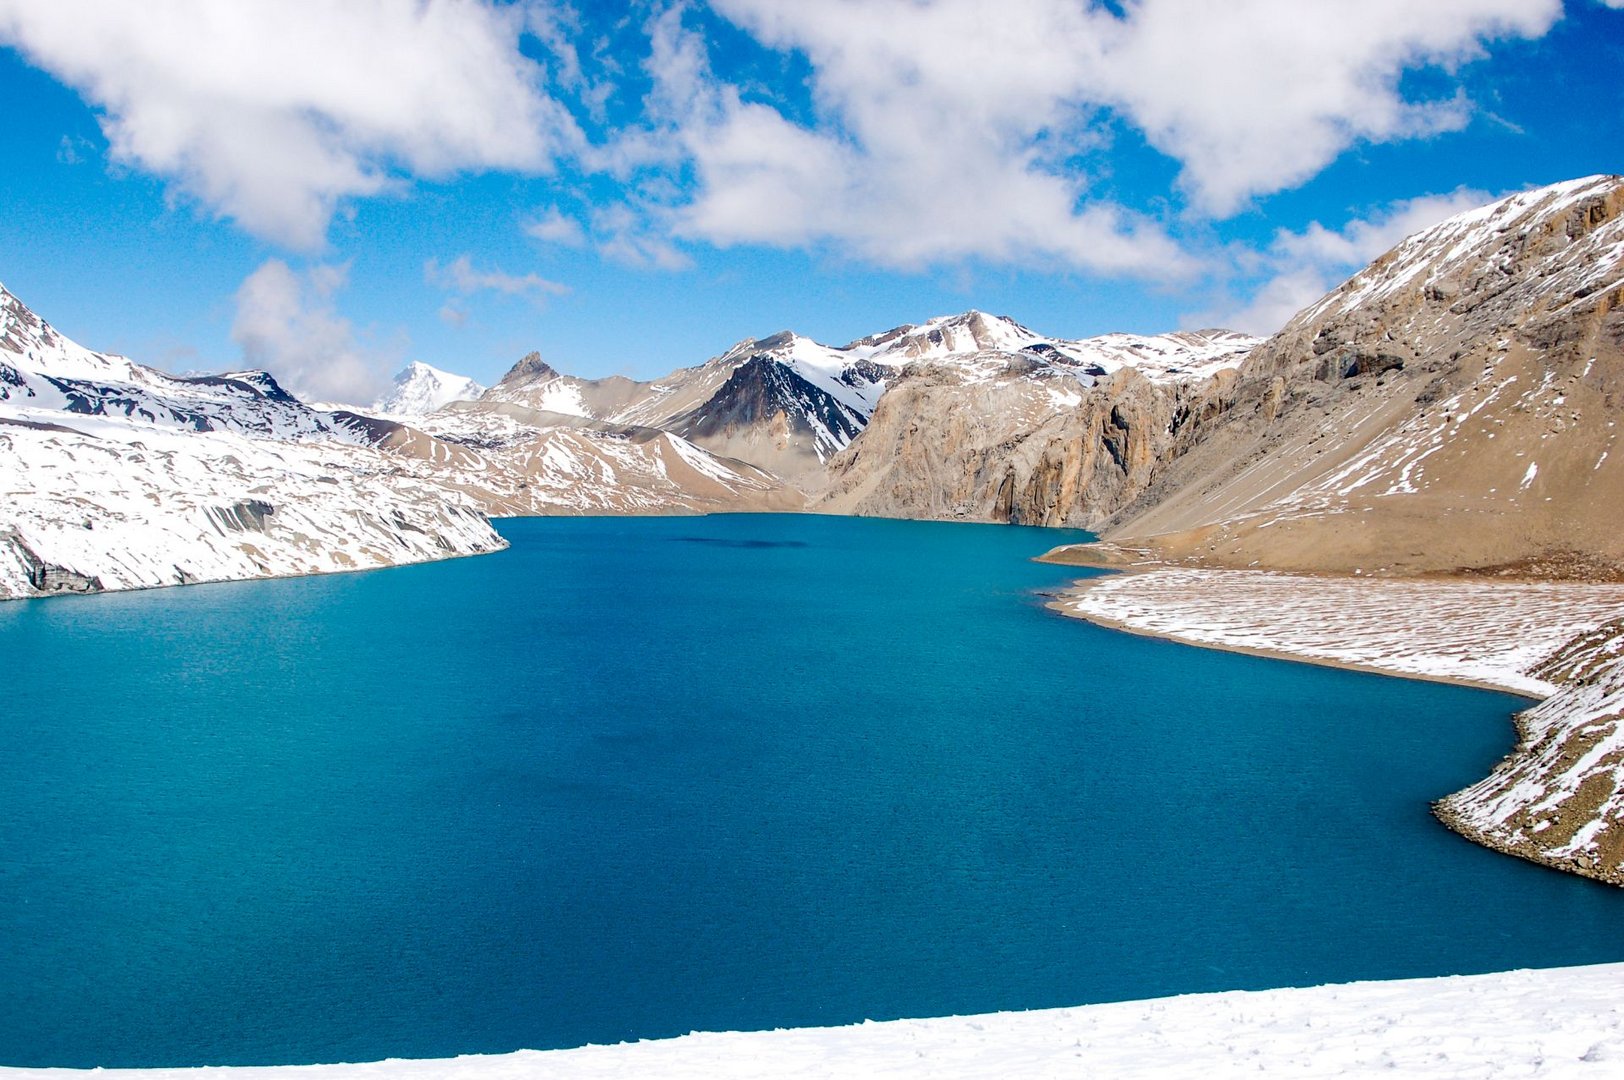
(731, 542)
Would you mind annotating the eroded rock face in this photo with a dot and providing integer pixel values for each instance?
(1013, 448)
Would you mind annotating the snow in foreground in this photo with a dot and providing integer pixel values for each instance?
(1561, 1022)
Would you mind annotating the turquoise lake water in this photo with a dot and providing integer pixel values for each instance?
(638, 777)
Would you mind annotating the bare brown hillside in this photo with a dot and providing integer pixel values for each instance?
(1454, 406)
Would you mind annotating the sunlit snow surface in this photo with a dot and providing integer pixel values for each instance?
(422, 388)
(1560, 1022)
(117, 476)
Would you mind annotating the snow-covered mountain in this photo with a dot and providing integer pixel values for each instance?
(115, 476)
(420, 389)
(961, 340)
(40, 370)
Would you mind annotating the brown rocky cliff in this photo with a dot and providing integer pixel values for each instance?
(1008, 450)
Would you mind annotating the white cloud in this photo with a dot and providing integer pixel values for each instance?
(1301, 267)
(637, 236)
(1256, 96)
(461, 276)
(1250, 96)
(939, 131)
(928, 154)
(74, 150)
(272, 111)
(1617, 5)
(286, 323)
(552, 227)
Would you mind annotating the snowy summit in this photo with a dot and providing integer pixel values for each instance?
(421, 389)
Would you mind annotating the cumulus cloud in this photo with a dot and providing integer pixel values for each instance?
(1250, 96)
(926, 155)
(1256, 96)
(272, 111)
(1300, 267)
(948, 129)
(286, 323)
(936, 131)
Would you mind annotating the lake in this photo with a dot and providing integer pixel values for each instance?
(637, 777)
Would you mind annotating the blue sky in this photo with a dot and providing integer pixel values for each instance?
(333, 190)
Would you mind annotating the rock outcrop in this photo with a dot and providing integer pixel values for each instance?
(1012, 447)
(1017, 440)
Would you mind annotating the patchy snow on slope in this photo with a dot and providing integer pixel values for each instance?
(1185, 356)
(973, 340)
(1429, 259)
(1494, 633)
(522, 465)
(1560, 798)
(1555, 1023)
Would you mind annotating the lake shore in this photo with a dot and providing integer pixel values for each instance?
(1488, 634)
(1555, 799)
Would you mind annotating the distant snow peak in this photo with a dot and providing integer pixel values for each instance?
(421, 389)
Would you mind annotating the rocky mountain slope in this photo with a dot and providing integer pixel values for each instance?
(115, 476)
(790, 405)
(420, 389)
(784, 404)
(520, 461)
(1454, 406)
(1450, 410)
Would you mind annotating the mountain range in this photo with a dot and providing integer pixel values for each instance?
(1449, 408)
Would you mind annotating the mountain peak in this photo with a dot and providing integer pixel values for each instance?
(422, 388)
(529, 368)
